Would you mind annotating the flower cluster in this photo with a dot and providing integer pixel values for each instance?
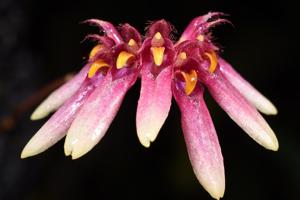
(87, 104)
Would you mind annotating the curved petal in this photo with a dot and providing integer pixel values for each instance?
(201, 141)
(200, 25)
(96, 115)
(108, 28)
(246, 89)
(59, 96)
(241, 111)
(153, 105)
(56, 127)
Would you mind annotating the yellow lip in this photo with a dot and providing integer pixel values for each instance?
(190, 81)
(95, 50)
(123, 58)
(158, 55)
(98, 64)
(213, 61)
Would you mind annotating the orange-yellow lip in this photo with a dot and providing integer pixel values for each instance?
(190, 79)
(122, 59)
(158, 55)
(95, 50)
(98, 64)
(213, 61)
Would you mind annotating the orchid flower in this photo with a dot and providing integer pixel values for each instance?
(88, 103)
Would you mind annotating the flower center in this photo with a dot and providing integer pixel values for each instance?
(200, 38)
(98, 65)
(182, 56)
(157, 48)
(132, 43)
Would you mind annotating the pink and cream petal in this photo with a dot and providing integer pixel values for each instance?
(56, 127)
(96, 115)
(201, 141)
(241, 111)
(59, 96)
(153, 105)
(263, 104)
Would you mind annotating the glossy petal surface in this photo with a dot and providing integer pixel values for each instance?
(246, 89)
(153, 105)
(59, 96)
(240, 111)
(201, 141)
(56, 127)
(96, 115)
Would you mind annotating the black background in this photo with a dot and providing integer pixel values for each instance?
(41, 41)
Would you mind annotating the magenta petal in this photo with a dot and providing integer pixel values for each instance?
(108, 28)
(59, 96)
(201, 141)
(153, 105)
(106, 41)
(246, 89)
(56, 127)
(161, 26)
(241, 111)
(96, 115)
(128, 32)
(199, 25)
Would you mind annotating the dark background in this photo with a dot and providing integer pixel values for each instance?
(41, 41)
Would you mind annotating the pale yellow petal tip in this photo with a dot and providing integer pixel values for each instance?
(39, 113)
(24, 155)
(145, 143)
(147, 139)
(75, 154)
(78, 152)
(67, 147)
(216, 193)
(274, 111)
(67, 151)
(76, 149)
(267, 107)
(27, 153)
(271, 110)
(272, 145)
(275, 146)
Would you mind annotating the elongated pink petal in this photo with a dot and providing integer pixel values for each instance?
(108, 28)
(59, 96)
(96, 115)
(153, 105)
(201, 141)
(246, 89)
(56, 127)
(241, 111)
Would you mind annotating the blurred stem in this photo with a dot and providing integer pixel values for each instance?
(7, 123)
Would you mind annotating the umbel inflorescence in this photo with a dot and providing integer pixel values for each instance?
(88, 103)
